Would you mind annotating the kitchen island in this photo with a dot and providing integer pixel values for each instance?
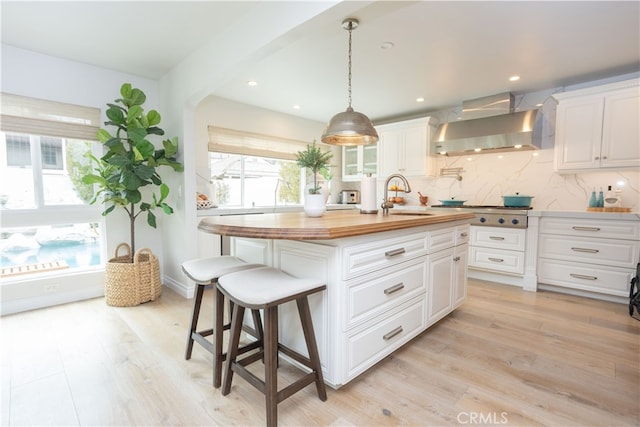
(388, 277)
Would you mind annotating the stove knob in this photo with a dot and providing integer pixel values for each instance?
(483, 219)
(515, 221)
(501, 220)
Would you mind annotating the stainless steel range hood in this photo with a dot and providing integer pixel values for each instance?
(497, 129)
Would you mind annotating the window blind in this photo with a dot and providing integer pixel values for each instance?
(223, 140)
(34, 116)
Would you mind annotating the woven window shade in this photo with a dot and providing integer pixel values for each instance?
(34, 116)
(222, 140)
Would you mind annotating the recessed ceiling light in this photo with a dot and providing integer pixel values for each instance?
(420, 99)
(252, 83)
(535, 154)
(539, 105)
(386, 45)
(501, 156)
(477, 149)
(514, 78)
(517, 146)
(469, 159)
(296, 107)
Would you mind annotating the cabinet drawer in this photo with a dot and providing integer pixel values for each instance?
(374, 293)
(365, 258)
(626, 230)
(496, 260)
(603, 279)
(619, 253)
(441, 239)
(493, 237)
(372, 344)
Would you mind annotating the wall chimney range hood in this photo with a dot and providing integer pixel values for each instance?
(488, 125)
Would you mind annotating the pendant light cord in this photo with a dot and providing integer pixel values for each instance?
(350, 29)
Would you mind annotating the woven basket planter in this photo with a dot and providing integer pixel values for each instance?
(132, 283)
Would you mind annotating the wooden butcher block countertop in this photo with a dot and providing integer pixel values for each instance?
(332, 225)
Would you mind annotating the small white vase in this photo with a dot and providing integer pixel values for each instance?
(315, 205)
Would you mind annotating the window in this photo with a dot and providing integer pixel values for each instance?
(248, 181)
(249, 169)
(47, 223)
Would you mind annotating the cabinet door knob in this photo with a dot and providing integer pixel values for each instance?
(463, 234)
(457, 258)
(597, 158)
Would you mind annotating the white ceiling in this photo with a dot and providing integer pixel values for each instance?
(445, 52)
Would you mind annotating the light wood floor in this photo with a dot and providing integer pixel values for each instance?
(506, 357)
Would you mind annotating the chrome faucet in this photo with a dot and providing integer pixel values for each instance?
(386, 204)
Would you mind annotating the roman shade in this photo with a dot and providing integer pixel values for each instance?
(223, 140)
(34, 116)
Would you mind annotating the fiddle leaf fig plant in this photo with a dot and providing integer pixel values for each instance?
(131, 161)
(315, 160)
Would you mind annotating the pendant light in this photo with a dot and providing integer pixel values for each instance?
(350, 127)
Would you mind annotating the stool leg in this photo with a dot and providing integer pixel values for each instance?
(218, 332)
(232, 351)
(271, 363)
(197, 302)
(312, 347)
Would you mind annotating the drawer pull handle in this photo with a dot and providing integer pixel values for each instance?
(392, 334)
(463, 234)
(394, 288)
(496, 259)
(394, 252)
(582, 276)
(496, 238)
(575, 227)
(591, 251)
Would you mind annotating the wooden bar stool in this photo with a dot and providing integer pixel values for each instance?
(205, 272)
(266, 288)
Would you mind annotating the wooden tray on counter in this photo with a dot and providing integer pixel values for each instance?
(608, 209)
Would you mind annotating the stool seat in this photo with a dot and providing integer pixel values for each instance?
(205, 272)
(266, 285)
(266, 288)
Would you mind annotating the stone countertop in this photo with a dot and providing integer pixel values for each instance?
(627, 216)
(332, 225)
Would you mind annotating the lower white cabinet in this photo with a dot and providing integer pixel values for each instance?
(447, 281)
(383, 290)
(594, 255)
(497, 249)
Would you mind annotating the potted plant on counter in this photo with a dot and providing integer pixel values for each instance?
(314, 160)
(130, 163)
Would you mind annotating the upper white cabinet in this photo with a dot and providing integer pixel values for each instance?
(598, 127)
(403, 148)
(358, 161)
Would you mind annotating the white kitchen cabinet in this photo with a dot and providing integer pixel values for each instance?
(598, 128)
(404, 148)
(593, 255)
(357, 161)
(497, 249)
(447, 281)
(378, 290)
